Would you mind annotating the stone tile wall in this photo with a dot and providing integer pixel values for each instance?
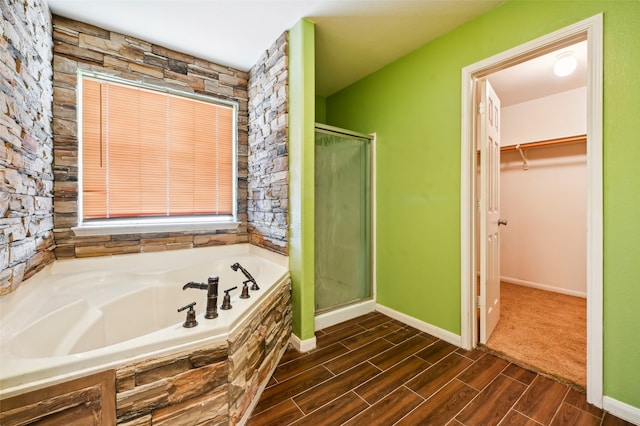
(268, 159)
(88, 400)
(82, 46)
(26, 145)
(28, 225)
(256, 348)
(185, 388)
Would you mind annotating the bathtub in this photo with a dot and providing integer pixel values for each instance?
(80, 316)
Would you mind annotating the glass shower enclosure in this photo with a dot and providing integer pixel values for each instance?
(343, 261)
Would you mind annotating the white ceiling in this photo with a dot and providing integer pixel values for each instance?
(353, 37)
(535, 78)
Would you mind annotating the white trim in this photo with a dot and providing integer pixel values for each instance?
(595, 255)
(622, 410)
(303, 345)
(545, 287)
(131, 226)
(345, 313)
(592, 27)
(438, 332)
(141, 227)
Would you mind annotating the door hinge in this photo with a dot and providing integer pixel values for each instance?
(481, 108)
(478, 303)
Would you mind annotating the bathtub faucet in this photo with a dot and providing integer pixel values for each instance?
(246, 273)
(212, 294)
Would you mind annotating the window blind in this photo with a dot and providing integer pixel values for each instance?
(153, 154)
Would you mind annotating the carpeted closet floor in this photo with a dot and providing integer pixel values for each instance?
(544, 331)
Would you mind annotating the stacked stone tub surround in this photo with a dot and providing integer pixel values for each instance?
(207, 381)
(208, 374)
(40, 57)
(26, 143)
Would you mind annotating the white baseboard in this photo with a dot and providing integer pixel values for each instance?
(344, 314)
(622, 410)
(303, 345)
(438, 332)
(544, 287)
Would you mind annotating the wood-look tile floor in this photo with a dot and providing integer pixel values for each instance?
(374, 370)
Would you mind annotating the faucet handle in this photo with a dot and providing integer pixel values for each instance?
(245, 290)
(189, 306)
(191, 315)
(226, 300)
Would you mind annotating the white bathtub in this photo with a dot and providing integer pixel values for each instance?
(81, 316)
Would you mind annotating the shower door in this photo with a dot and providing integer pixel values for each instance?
(342, 218)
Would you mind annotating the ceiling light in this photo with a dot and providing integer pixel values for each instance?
(566, 63)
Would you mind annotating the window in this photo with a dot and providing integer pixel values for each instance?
(149, 154)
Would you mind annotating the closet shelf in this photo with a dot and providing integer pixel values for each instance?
(558, 141)
(549, 142)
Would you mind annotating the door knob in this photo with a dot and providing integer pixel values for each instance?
(502, 222)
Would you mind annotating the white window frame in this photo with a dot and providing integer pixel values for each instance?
(154, 224)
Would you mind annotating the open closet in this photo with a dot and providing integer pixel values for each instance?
(543, 200)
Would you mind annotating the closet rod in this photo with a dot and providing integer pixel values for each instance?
(558, 141)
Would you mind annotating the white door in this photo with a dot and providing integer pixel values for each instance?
(489, 122)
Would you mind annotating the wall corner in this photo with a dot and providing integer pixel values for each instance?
(301, 175)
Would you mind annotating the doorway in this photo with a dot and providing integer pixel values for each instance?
(591, 30)
(541, 276)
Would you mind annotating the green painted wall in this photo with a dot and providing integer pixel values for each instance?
(414, 107)
(321, 109)
(301, 175)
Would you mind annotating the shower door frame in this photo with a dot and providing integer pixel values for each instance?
(345, 312)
